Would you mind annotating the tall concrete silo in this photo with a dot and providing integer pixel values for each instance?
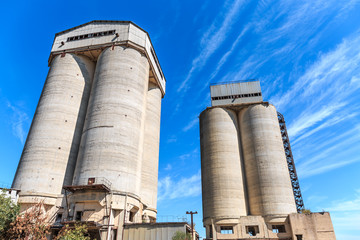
(110, 175)
(245, 177)
(51, 148)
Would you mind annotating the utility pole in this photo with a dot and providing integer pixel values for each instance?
(192, 223)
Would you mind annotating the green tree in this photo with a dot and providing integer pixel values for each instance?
(79, 232)
(178, 235)
(8, 213)
(306, 211)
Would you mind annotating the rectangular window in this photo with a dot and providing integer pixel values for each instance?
(78, 216)
(58, 218)
(210, 231)
(226, 230)
(252, 230)
(299, 237)
(278, 228)
(91, 181)
(132, 216)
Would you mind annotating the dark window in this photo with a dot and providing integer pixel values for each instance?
(278, 228)
(91, 181)
(78, 216)
(132, 216)
(252, 230)
(226, 230)
(299, 237)
(58, 218)
(210, 231)
(90, 35)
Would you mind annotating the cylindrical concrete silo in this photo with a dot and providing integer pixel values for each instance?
(150, 163)
(267, 175)
(112, 140)
(52, 144)
(222, 176)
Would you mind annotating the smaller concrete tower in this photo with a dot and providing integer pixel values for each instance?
(246, 185)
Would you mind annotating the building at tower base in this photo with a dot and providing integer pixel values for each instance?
(249, 181)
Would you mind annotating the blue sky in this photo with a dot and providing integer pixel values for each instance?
(305, 53)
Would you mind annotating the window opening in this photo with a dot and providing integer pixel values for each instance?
(226, 230)
(299, 237)
(252, 230)
(78, 215)
(90, 35)
(58, 218)
(91, 181)
(131, 216)
(278, 228)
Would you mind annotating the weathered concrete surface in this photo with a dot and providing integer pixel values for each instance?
(52, 144)
(313, 226)
(221, 170)
(157, 231)
(267, 175)
(150, 161)
(112, 141)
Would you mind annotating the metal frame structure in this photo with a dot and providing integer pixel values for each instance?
(291, 164)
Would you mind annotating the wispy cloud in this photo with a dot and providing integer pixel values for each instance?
(191, 124)
(213, 38)
(172, 188)
(172, 139)
(308, 119)
(168, 167)
(345, 214)
(19, 121)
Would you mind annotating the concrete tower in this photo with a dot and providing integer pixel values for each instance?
(247, 189)
(92, 150)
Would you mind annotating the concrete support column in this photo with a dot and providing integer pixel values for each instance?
(267, 175)
(150, 163)
(49, 156)
(112, 134)
(222, 176)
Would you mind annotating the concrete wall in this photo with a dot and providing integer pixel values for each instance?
(158, 231)
(127, 34)
(312, 226)
(236, 93)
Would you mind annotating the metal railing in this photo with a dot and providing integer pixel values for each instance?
(93, 181)
(291, 165)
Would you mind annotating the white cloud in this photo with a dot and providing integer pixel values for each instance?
(168, 167)
(19, 121)
(172, 188)
(191, 124)
(212, 39)
(345, 216)
(172, 139)
(312, 117)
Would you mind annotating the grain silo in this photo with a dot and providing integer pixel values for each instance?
(249, 182)
(92, 151)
